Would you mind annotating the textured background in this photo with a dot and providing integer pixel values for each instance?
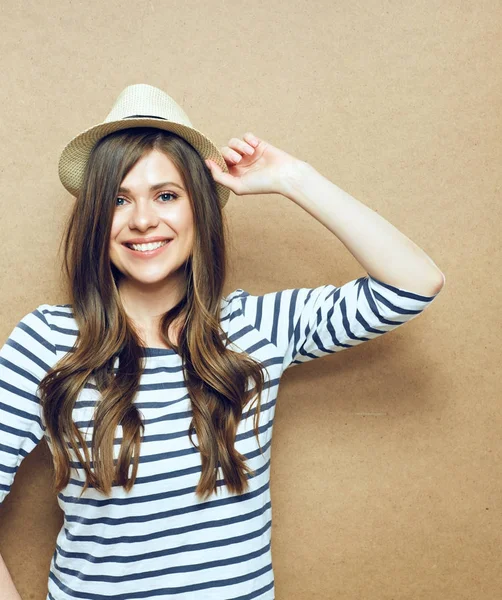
(386, 477)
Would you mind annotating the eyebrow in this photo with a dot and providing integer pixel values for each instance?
(154, 187)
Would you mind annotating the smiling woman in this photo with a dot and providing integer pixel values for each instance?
(162, 296)
(149, 212)
(138, 299)
(149, 354)
(142, 424)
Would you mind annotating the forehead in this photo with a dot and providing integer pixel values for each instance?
(153, 166)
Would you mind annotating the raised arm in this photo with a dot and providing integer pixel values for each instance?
(257, 167)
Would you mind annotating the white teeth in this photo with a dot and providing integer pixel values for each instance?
(146, 247)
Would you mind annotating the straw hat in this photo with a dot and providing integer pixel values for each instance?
(138, 105)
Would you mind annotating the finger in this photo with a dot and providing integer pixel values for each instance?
(241, 146)
(230, 155)
(251, 139)
(220, 176)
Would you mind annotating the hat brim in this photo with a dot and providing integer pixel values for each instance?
(75, 154)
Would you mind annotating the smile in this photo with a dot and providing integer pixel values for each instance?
(147, 250)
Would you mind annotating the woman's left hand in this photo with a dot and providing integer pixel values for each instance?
(255, 166)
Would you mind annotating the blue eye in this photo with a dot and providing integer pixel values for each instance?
(169, 194)
(174, 196)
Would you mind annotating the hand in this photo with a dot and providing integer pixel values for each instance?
(255, 166)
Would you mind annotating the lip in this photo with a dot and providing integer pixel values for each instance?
(149, 253)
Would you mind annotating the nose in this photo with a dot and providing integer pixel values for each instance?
(144, 215)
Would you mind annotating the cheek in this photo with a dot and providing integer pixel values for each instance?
(115, 229)
(189, 234)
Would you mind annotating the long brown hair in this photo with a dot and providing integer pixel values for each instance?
(216, 377)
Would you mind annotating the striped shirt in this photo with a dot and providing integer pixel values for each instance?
(158, 540)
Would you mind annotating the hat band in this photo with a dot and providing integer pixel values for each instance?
(149, 116)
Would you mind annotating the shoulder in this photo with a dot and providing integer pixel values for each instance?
(237, 300)
(33, 340)
(236, 295)
(52, 325)
(231, 303)
(53, 315)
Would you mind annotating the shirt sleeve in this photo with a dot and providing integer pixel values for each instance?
(25, 358)
(308, 323)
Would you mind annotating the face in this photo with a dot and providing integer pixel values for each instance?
(147, 207)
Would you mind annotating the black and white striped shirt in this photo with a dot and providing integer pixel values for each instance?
(158, 541)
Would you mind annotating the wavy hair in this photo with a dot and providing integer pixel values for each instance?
(216, 377)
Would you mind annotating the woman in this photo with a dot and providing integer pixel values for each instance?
(143, 385)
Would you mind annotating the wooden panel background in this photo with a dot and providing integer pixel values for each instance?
(386, 480)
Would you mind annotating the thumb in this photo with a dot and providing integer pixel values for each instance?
(220, 176)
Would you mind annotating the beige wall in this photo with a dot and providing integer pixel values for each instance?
(386, 480)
